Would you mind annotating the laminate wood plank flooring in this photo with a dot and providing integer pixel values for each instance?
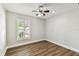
(42, 48)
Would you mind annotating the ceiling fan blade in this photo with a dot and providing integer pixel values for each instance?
(36, 14)
(34, 11)
(43, 14)
(46, 11)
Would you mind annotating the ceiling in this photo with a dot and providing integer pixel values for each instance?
(26, 8)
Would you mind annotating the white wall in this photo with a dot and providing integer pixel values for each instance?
(37, 28)
(64, 28)
(2, 29)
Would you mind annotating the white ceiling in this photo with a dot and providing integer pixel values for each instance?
(26, 8)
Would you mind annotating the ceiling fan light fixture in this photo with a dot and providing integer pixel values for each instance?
(40, 14)
(41, 11)
(41, 8)
(53, 11)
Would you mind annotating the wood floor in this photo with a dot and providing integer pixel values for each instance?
(42, 48)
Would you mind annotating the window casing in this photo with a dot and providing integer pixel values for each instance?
(23, 29)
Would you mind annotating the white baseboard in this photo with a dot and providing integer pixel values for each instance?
(65, 46)
(11, 46)
(4, 51)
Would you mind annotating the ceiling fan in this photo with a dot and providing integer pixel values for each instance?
(41, 11)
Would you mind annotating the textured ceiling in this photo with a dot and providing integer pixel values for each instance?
(26, 8)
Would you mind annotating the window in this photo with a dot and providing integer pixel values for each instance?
(23, 29)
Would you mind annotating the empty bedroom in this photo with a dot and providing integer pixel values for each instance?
(39, 29)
